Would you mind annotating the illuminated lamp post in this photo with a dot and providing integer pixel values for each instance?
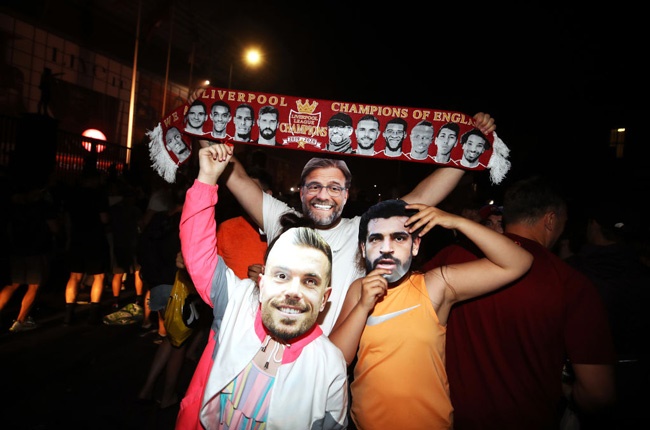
(93, 133)
(252, 57)
(94, 148)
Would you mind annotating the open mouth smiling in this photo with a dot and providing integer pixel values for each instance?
(289, 310)
(322, 207)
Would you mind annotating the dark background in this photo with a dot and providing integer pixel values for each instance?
(557, 76)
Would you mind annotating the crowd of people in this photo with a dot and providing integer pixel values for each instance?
(88, 242)
(509, 324)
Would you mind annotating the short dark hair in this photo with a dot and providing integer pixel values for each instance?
(400, 121)
(475, 132)
(269, 109)
(369, 118)
(219, 103)
(384, 209)
(616, 220)
(453, 126)
(198, 102)
(424, 123)
(529, 199)
(247, 106)
(323, 163)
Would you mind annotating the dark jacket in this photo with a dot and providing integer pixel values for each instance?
(157, 248)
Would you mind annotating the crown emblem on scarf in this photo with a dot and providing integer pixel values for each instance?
(306, 107)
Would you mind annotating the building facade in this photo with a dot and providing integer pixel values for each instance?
(43, 73)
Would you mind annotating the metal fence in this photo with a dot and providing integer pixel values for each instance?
(71, 153)
(8, 131)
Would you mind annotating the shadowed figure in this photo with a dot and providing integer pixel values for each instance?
(47, 80)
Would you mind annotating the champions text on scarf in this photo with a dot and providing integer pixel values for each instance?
(419, 135)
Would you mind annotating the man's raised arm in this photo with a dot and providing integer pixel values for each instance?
(247, 192)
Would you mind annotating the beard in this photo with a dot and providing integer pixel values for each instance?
(245, 135)
(394, 148)
(267, 133)
(286, 329)
(366, 143)
(314, 215)
(397, 273)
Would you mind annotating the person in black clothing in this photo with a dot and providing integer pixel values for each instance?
(47, 80)
(31, 233)
(609, 260)
(87, 221)
(159, 256)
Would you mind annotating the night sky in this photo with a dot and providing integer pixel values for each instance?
(555, 75)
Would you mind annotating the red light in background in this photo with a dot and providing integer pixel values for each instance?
(95, 134)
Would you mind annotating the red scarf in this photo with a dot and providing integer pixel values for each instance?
(306, 125)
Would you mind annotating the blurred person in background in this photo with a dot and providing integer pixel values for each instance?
(88, 252)
(610, 261)
(33, 225)
(507, 350)
(492, 217)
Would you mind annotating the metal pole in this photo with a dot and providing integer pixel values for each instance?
(129, 135)
(190, 85)
(169, 55)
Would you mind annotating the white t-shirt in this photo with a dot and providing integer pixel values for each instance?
(343, 241)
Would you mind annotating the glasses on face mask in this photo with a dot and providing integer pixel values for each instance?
(332, 190)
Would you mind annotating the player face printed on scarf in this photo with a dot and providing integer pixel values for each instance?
(445, 141)
(389, 246)
(323, 208)
(220, 119)
(243, 123)
(394, 135)
(176, 146)
(421, 138)
(473, 148)
(338, 134)
(322, 127)
(268, 124)
(196, 116)
(294, 288)
(367, 132)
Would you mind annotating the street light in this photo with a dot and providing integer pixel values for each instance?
(93, 146)
(252, 57)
